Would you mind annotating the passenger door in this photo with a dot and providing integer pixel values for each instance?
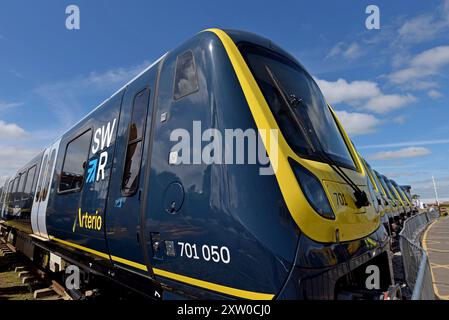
(123, 223)
(40, 202)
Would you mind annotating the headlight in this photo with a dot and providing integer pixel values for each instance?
(313, 190)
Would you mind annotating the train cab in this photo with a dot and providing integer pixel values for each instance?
(403, 198)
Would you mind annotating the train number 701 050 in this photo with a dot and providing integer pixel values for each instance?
(208, 253)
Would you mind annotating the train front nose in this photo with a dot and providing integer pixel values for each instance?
(331, 271)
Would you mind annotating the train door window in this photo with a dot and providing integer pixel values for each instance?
(29, 182)
(23, 178)
(186, 78)
(16, 194)
(41, 177)
(47, 183)
(130, 179)
(74, 166)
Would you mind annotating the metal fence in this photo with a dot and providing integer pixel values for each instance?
(416, 263)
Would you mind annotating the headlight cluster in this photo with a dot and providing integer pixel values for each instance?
(313, 190)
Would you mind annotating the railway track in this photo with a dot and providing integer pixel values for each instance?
(20, 279)
(24, 279)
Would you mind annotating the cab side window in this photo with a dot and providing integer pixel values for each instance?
(186, 78)
(74, 166)
(136, 132)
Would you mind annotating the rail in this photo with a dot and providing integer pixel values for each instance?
(416, 262)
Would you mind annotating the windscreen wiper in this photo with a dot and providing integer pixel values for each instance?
(291, 101)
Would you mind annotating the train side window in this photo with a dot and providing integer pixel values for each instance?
(14, 189)
(8, 195)
(29, 183)
(10, 191)
(186, 78)
(130, 179)
(74, 166)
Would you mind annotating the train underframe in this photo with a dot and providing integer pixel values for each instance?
(344, 281)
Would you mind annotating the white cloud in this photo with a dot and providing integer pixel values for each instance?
(427, 26)
(362, 94)
(336, 50)
(423, 65)
(424, 27)
(353, 51)
(350, 51)
(9, 105)
(410, 152)
(399, 119)
(64, 98)
(433, 58)
(13, 158)
(342, 91)
(2, 180)
(425, 188)
(402, 174)
(409, 74)
(434, 94)
(11, 131)
(405, 144)
(387, 103)
(16, 73)
(356, 123)
(113, 77)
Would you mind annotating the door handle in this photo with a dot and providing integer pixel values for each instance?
(156, 245)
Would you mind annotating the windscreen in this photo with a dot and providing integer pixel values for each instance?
(376, 181)
(391, 188)
(310, 107)
(385, 187)
(407, 195)
(401, 193)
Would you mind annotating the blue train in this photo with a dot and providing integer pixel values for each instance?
(111, 197)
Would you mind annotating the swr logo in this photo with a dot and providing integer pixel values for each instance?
(102, 140)
(91, 170)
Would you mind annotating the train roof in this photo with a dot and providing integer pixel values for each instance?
(238, 36)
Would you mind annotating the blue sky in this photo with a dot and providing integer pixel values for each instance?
(389, 86)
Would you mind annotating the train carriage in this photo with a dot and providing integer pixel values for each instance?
(111, 197)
